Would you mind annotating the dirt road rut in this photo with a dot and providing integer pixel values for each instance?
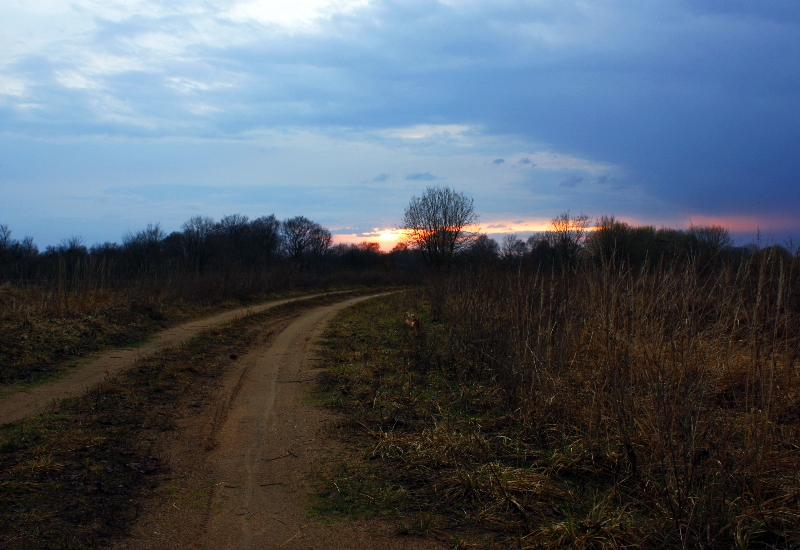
(22, 404)
(241, 468)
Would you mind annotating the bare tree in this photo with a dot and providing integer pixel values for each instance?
(266, 234)
(144, 247)
(514, 249)
(230, 238)
(566, 235)
(74, 243)
(12, 250)
(233, 227)
(301, 235)
(439, 224)
(28, 248)
(483, 249)
(321, 240)
(5, 237)
(195, 240)
(712, 239)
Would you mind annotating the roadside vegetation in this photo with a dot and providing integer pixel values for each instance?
(624, 387)
(58, 305)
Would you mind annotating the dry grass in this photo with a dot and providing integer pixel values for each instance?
(599, 409)
(46, 327)
(38, 336)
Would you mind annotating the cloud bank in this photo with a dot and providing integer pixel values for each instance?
(658, 110)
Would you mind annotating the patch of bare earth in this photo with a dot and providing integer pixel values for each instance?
(242, 464)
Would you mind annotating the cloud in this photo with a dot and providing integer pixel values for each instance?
(421, 176)
(519, 227)
(186, 85)
(422, 131)
(12, 86)
(76, 81)
(381, 177)
(572, 181)
(690, 104)
(498, 161)
(552, 160)
(295, 16)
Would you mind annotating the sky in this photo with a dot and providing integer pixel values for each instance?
(119, 113)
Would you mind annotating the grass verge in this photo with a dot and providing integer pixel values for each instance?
(423, 449)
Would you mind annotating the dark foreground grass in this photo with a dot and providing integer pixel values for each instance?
(75, 477)
(537, 412)
(423, 447)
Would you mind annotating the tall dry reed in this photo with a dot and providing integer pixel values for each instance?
(674, 390)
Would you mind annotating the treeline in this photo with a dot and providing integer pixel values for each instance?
(202, 246)
(237, 245)
(573, 241)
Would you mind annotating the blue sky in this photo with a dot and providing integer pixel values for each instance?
(118, 113)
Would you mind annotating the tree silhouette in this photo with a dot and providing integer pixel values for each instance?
(439, 224)
(301, 235)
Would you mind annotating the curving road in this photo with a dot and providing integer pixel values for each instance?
(21, 404)
(242, 467)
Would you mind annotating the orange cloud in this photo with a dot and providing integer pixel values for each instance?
(734, 223)
(386, 238)
(745, 223)
(504, 227)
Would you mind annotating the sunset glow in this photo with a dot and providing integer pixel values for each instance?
(386, 238)
(124, 113)
(497, 229)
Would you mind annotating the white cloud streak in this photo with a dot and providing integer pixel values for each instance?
(12, 86)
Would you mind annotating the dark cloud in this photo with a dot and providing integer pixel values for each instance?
(381, 177)
(498, 161)
(698, 101)
(572, 181)
(421, 176)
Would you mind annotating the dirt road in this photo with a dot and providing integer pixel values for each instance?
(241, 467)
(22, 404)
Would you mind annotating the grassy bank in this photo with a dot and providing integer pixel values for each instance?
(42, 332)
(595, 408)
(75, 477)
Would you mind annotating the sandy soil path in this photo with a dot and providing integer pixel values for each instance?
(21, 404)
(241, 468)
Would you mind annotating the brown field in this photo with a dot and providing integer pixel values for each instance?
(595, 407)
(554, 398)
